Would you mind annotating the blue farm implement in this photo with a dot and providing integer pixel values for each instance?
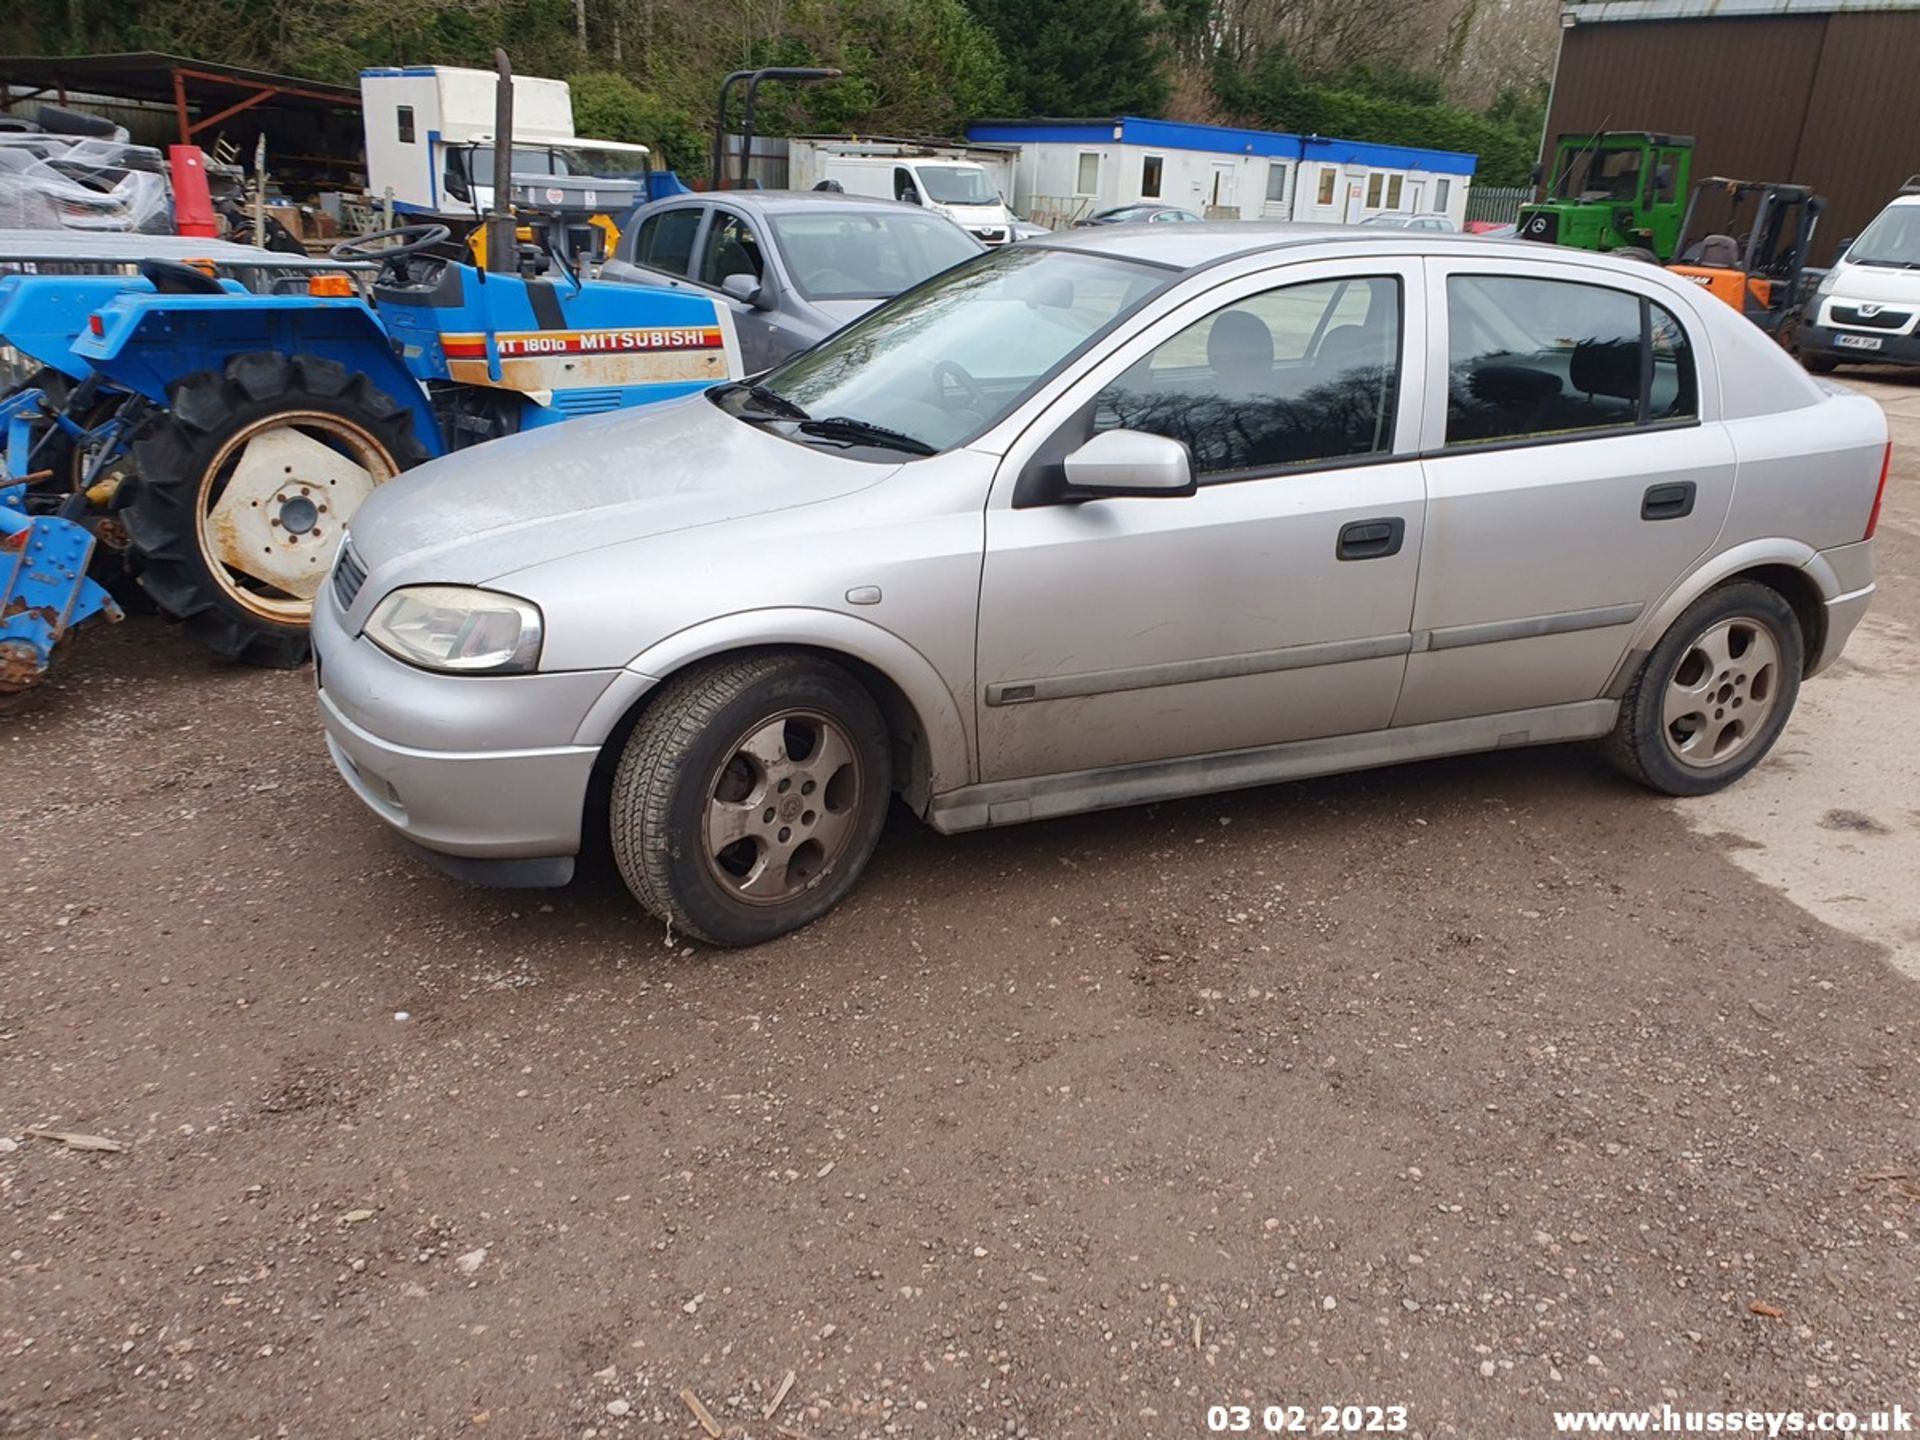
(44, 589)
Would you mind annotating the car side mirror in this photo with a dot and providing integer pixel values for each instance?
(1129, 462)
(748, 290)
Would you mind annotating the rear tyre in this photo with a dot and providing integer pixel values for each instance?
(750, 796)
(1714, 694)
(242, 488)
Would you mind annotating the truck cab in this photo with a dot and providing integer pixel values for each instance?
(1613, 190)
(430, 142)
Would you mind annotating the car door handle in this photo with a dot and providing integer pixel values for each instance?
(1371, 539)
(1667, 502)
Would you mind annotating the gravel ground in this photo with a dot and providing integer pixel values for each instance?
(1486, 1087)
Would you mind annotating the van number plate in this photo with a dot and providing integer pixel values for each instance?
(1858, 342)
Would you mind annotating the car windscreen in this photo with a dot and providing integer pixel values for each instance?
(952, 358)
(956, 185)
(1892, 239)
(866, 254)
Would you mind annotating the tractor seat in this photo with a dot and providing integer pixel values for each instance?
(169, 277)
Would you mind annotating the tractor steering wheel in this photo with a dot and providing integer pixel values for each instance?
(405, 242)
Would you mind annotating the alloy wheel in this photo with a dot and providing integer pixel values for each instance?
(782, 807)
(1722, 692)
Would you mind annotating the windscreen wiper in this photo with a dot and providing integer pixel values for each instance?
(770, 401)
(865, 432)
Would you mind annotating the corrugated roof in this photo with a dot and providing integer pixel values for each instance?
(1591, 12)
(149, 75)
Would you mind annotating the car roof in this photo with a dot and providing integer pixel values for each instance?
(1193, 247)
(766, 201)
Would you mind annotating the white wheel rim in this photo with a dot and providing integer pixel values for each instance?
(275, 501)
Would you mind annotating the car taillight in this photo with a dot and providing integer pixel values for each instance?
(1879, 494)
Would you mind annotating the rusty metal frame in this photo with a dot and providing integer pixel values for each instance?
(189, 127)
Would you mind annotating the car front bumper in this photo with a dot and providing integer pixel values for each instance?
(481, 773)
(1824, 342)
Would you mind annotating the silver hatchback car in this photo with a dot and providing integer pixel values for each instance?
(1118, 516)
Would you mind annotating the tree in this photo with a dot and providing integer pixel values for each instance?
(609, 106)
(1079, 57)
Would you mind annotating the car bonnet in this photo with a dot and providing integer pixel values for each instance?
(563, 490)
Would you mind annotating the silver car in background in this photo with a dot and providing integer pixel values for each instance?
(792, 265)
(1120, 516)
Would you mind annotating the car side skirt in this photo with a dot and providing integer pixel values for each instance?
(1042, 797)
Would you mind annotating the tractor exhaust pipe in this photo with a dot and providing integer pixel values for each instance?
(503, 245)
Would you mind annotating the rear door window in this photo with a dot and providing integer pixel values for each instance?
(665, 241)
(1533, 359)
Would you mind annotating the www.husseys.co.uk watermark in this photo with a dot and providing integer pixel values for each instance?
(1668, 1421)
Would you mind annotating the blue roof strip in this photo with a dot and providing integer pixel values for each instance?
(1222, 140)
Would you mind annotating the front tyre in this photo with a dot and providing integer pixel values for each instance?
(1714, 694)
(750, 796)
(242, 488)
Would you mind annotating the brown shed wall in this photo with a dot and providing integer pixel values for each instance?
(1830, 101)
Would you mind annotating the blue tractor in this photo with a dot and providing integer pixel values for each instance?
(275, 416)
(255, 424)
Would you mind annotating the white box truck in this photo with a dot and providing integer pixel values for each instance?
(947, 181)
(430, 139)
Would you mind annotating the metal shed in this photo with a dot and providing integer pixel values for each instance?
(312, 126)
(1818, 92)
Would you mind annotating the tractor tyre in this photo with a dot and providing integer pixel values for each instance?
(241, 490)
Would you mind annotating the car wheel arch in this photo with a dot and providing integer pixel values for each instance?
(932, 740)
(1801, 575)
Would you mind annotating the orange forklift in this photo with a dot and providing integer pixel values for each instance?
(1747, 241)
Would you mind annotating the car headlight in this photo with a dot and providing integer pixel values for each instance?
(1826, 285)
(458, 629)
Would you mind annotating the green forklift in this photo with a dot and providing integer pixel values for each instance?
(1618, 190)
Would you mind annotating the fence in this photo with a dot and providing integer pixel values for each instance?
(1058, 212)
(1496, 204)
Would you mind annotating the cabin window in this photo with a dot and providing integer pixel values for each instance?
(1276, 183)
(405, 115)
(1329, 177)
(1150, 177)
(1086, 180)
(1374, 182)
(1393, 192)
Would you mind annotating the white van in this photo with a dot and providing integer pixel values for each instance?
(961, 190)
(1868, 307)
